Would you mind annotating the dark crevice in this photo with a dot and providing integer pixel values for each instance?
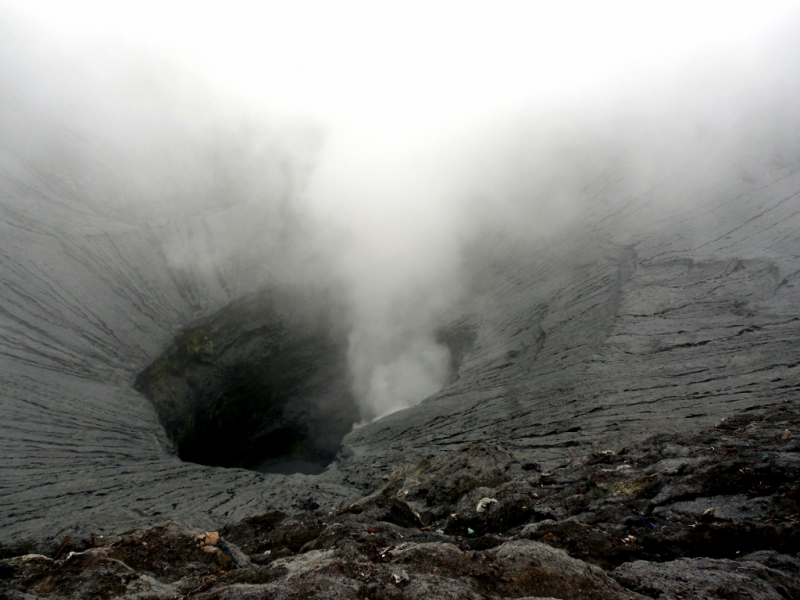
(262, 385)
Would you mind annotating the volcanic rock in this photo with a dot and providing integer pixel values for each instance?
(597, 527)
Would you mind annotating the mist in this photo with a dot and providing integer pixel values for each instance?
(373, 166)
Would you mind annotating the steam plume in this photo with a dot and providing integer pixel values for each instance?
(380, 197)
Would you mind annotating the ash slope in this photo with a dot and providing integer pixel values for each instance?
(638, 320)
(632, 321)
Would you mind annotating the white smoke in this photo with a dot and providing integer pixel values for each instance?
(400, 259)
(442, 121)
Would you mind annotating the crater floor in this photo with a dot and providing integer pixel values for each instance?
(262, 385)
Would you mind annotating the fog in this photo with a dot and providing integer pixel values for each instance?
(372, 145)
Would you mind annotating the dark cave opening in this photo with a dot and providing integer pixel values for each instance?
(262, 385)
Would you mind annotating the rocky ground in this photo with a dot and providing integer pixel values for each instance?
(707, 515)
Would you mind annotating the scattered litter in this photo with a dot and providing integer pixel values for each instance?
(628, 539)
(470, 531)
(483, 503)
(208, 538)
(642, 523)
(66, 541)
(786, 434)
(401, 577)
(708, 512)
(440, 531)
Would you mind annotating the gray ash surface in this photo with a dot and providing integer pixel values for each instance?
(707, 515)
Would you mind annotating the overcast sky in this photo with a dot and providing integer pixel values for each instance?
(402, 66)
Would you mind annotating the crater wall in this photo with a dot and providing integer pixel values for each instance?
(638, 320)
(633, 320)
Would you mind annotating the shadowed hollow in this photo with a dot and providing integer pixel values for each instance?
(262, 385)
